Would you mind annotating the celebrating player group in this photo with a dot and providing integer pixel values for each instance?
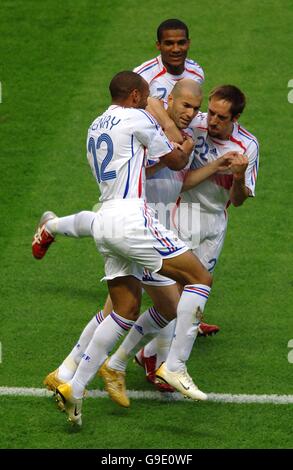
(167, 173)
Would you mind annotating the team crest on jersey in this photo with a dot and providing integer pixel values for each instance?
(214, 151)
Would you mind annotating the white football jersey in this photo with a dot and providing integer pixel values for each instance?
(165, 185)
(116, 148)
(161, 82)
(213, 193)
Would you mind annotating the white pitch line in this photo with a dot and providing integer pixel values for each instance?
(147, 395)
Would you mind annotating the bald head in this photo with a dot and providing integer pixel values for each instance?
(186, 86)
(184, 102)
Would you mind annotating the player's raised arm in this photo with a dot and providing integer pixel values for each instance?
(156, 108)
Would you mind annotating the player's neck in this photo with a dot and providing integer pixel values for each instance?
(228, 134)
(178, 70)
(128, 103)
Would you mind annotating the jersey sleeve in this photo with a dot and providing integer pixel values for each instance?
(194, 70)
(148, 70)
(148, 131)
(252, 153)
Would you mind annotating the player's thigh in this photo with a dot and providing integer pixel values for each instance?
(186, 269)
(165, 299)
(125, 293)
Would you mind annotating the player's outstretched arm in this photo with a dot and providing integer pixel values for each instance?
(197, 176)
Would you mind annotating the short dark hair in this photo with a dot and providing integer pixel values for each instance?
(171, 24)
(232, 94)
(123, 83)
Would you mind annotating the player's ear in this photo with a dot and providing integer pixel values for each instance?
(170, 100)
(135, 95)
(158, 44)
(235, 118)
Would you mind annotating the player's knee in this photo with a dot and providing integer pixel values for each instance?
(204, 277)
(131, 312)
(207, 279)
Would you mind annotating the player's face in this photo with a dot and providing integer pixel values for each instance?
(173, 47)
(183, 108)
(220, 121)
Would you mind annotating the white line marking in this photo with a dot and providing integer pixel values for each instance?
(147, 395)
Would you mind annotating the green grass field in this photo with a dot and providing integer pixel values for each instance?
(56, 60)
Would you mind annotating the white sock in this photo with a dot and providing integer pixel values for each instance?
(149, 323)
(68, 367)
(76, 225)
(105, 337)
(160, 345)
(189, 316)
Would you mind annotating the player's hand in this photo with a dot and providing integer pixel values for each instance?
(178, 158)
(177, 146)
(224, 162)
(238, 166)
(187, 145)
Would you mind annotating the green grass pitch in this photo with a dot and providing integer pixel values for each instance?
(56, 60)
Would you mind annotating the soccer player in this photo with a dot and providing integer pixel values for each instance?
(217, 132)
(161, 73)
(165, 187)
(165, 70)
(131, 238)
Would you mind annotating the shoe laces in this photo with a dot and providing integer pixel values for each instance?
(42, 236)
(38, 235)
(187, 379)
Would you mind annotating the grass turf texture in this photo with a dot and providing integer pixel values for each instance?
(56, 63)
(102, 418)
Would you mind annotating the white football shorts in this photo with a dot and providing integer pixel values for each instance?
(213, 227)
(130, 238)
